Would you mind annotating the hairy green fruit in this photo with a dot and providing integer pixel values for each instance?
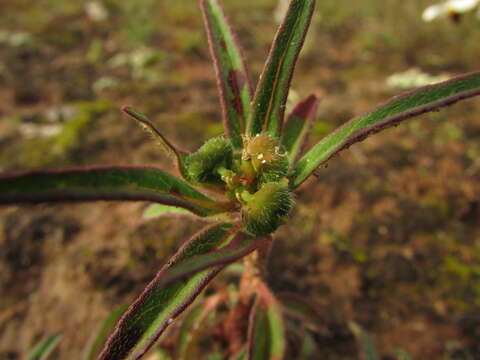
(203, 166)
(268, 158)
(266, 209)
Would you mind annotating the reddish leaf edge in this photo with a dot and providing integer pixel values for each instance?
(264, 297)
(148, 126)
(225, 257)
(361, 135)
(72, 196)
(271, 54)
(364, 133)
(290, 77)
(153, 283)
(308, 110)
(216, 62)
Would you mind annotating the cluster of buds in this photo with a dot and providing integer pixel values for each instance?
(265, 209)
(268, 160)
(205, 165)
(256, 178)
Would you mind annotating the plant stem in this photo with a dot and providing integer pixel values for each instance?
(255, 270)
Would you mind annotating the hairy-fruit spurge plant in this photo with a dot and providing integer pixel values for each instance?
(243, 181)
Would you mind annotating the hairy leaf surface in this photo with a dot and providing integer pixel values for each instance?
(157, 307)
(96, 342)
(105, 183)
(268, 106)
(236, 248)
(232, 75)
(147, 125)
(397, 109)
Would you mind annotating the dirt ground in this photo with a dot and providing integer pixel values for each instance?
(387, 236)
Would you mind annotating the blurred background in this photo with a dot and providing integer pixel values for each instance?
(387, 236)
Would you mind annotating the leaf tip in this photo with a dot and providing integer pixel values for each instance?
(307, 107)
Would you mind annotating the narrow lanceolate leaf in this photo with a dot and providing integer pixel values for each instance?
(366, 342)
(157, 210)
(180, 155)
(98, 338)
(402, 355)
(232, 75)
(241, 355)
(297, 126)
(105, 183)
(268, 106)
(266, 333)
(397, 109)
(167, 211)
(42, 350)
(236, 248)
(157, 307)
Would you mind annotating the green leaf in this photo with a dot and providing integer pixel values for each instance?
(157, 307)
(241, 355)
(43, 349)
(397, 109)
(147, 125)
(216, 355)
(297, 126)
(232, 74)
(402, 355)
(268, 106)
(308, 347)
(266, 333)
(98, 338)
(105, 183)
(302, 340)
(154, 211)
(369, 348)
(366, 342)
(157, 210)
(236, 248)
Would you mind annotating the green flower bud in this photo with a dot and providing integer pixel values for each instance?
(204, 164)
(266, 209)
(268, 159)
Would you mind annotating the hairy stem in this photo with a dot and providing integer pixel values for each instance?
(255, 270)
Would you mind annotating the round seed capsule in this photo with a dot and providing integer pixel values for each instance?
(266, 209)
(267, 157)
(203, 164)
